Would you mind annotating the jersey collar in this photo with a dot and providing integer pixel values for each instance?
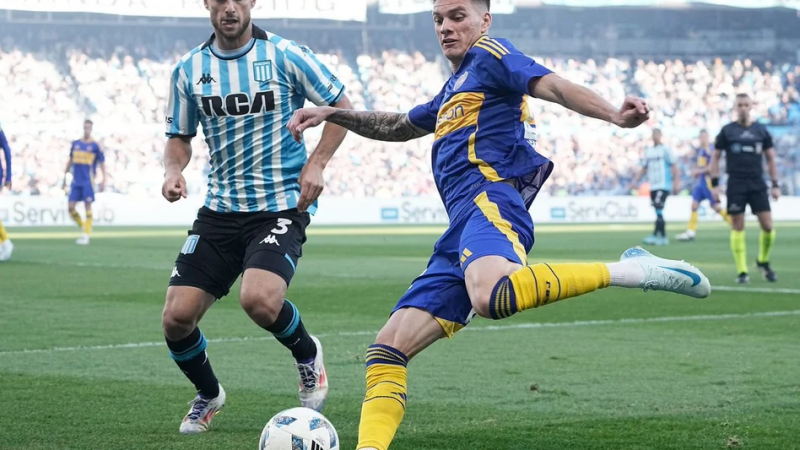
(258, 34)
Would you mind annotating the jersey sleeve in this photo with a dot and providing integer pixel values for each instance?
(721, 142)
(669, 156)
(101, 157)
(311, 77)
(7, 158)
(182, 115)
(767, 139)
(506, 68)
(424, 116)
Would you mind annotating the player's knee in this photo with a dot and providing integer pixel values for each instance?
(177, 324)
(481, 298)
(264, 304)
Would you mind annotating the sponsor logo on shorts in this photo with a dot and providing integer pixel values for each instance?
(270, 240)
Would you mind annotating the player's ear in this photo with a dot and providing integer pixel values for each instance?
(205, 3)
(487, 22)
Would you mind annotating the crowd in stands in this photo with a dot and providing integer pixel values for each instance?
(124, 89)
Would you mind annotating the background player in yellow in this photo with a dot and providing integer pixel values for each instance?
(6, 247)
(702, 189)
(488, 172)
(84, 158)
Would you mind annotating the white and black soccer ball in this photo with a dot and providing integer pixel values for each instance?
(299, 429)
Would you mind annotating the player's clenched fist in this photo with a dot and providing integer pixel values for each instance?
(634, 112)
(174, 187)
(306, 118)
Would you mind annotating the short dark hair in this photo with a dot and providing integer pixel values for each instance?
(89, 121)
(743, 95)
(486, 3)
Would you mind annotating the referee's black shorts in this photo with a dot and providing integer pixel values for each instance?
(743, 191)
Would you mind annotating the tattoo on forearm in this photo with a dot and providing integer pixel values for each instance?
(382, 126)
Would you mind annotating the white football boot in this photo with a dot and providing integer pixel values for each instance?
(83, 240)
(668, 275)
(203, 410)
(6, 249)
(313, 381)
(686, 236)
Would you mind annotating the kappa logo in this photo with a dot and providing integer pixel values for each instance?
(206, 79)
(270, 240)
(175, 272)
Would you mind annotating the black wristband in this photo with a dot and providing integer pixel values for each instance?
(775, 184)
(714, 182)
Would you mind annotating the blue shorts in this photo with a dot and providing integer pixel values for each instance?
(496, 223)
(703, 192)
(81, 193)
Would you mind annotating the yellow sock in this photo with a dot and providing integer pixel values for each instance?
(767, 239)
(3, 234)
(541, 284)
(739, 249)
(725, 216)
(693, 222)
(87, 227)
(76, 216)
(385, 402)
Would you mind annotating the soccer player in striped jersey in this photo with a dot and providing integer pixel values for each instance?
(6, 247)
(85, 156)
(488, 173)
(660, 167)
(702, 190)
(242, 85)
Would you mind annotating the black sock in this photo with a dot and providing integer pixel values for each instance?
(288, 329)
(661, 225)
(189, 354)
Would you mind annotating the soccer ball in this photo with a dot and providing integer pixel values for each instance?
(299, 429)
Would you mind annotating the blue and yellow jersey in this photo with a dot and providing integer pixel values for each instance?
(483, 130)
(5, 175)
(84, 157)
(703, 160)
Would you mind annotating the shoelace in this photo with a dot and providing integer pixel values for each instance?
(199, 405)
(308, 376)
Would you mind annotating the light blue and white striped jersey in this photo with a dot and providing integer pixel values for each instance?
(244, 103)
(658, 160)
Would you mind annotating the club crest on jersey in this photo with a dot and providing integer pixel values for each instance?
(461, 80)
(262, 71)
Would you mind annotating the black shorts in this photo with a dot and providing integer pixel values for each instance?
(658, 198)
(743, 192)
(221, 246)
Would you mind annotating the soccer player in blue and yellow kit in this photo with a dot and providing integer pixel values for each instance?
(242, 85)
(6, 247)
(487, 172)
(84, 158)
(703, 189)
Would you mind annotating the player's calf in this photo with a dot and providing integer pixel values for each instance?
(408, 332)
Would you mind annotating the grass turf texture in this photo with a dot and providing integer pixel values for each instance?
(568, 376)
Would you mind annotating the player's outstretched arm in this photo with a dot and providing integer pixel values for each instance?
(177, 154)
(378, 125)
(553, 88)
(311, 179)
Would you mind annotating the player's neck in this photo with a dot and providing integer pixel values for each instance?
(233, 44)
(86, 138)
(745, 123)
(456, 64)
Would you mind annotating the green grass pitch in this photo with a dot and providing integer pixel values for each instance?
(83, 365)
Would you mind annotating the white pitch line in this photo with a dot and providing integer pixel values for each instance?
(753, 289)
(487, 328)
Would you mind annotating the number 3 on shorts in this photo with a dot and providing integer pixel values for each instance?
(283, 226)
